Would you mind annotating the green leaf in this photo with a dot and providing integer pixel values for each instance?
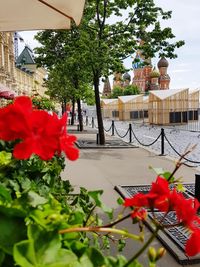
(35, 199)
(120, 201)
(43, 249)
(5, 158)
(4, 194)
(85, 261)
(78, 248)
(158, 171)
(121, 244)
(24, 253)
(16, 210)
(95, 195)
(12, 231)
(2, 257)
(166, 175)
(180, 187)
(96, 257)
(118, 261)
(77, 217)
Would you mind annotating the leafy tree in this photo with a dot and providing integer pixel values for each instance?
(101, 44)
(117, 91)
(107, 42)
(88, 95)
(131, 90)
(43, 103)
(61, 53)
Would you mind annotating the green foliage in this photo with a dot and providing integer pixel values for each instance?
(35, 204)
(98, 47)
(69, 77)
(9, 236)
(43, 103)
(35, 252)
(117, 91)
(131, 90)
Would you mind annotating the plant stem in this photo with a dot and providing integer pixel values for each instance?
(118, 221)
(179, 163)
(102, 229)
(144, 247)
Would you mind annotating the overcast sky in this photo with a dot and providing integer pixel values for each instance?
(185, 23)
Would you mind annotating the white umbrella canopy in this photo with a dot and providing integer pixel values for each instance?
(24, 15)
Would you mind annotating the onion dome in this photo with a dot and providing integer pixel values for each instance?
(126, 76)
(164, 77)
(154, 73)
(163, 63)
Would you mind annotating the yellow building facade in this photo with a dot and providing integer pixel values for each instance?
(7, 61)
(23, 78)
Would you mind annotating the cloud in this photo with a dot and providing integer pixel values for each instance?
(185, 24)
(180, 70)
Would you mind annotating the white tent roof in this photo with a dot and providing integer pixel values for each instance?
(16, 15)
(191, 91)
(109, 101)
(128, 98)
(163, 94)
(145, 98)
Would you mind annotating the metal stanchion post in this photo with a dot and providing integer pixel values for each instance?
(113, 128)
(197, 187)
(97, 141)
(92, 122)
(86, 120)
(130, 133)
(162, 142)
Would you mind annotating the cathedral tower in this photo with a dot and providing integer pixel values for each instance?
(164, 79)
(106, 88)
(127, 79)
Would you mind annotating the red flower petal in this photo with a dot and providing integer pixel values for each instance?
(23, 150)
(193, 245)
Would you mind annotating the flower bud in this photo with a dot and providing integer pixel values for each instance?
(152, 254)
(160, 253)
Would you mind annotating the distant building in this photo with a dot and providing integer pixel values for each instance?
(148, 78)
(7, 61)
(126, 79)
(32, 80)
(117, 80)
(106, 88)
(164, 78)
(145, 77)
(23, 76)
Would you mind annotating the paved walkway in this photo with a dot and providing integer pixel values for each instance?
(106, 168)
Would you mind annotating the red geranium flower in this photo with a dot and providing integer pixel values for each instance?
(14, 119)
(157, 197)
(139, 214)
(40, 133)
(186, 209)
(193, 245)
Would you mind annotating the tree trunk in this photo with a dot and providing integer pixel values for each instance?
(80, 117)
(72, 112)
(64, 103)
(98, 110)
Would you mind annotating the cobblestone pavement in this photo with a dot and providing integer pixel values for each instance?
(175, 143)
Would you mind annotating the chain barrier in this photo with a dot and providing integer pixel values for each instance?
(146, 144)
(121, 136)
(108, 129)
(162, 135)
(189, 160)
